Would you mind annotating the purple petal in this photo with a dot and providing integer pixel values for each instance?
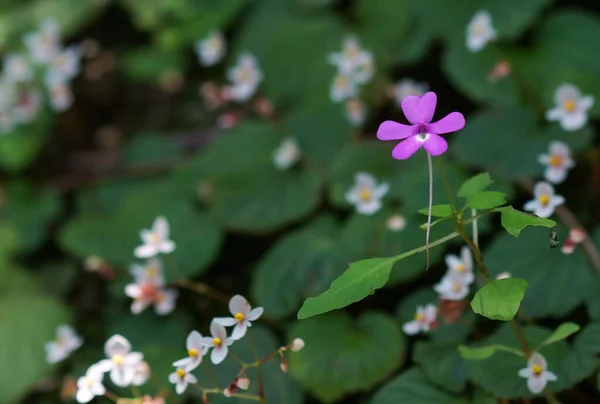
(419, 109)
(390, 130)
(450, 123)
(435, 145)
(406, 148)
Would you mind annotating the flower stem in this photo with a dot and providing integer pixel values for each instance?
(475, 228)
(203, 289)
(210, 374)
(261, 387)
(430, 166)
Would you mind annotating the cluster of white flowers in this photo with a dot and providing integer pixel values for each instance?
(197, 345)
(480, 31)
(66, 342)
(126, 368)
(21, 94)
(355, 68)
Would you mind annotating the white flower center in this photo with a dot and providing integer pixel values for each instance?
(422, 137)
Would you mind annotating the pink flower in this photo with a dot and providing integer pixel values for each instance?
(422, 132)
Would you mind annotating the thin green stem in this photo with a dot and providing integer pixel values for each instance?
(430, 166)
(210, 374)
(475, 228)
(261, 387)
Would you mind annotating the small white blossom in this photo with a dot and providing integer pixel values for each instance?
(245, 77)
(195, 351)
(61, 96)
(28, 105)
(219, 342)
(211, 50)
(64, 65)
(536, 374)
(243, 314)
(558, 162)
(571, 107)
(365, 69)
(343, 87)
(17, 68)
(396, 223)
(90, 385)
(355, 112)
(66, 342)
(142, 374)
(45, 43)
(122, 363)
(351, 58)
(545, 200)
(287, 154)
(297, 344)
(156, 240)
(452, 287)
(407, 87)
(480, 31)
(164, 302)
(243, 383)
(461, 266)
(365, 194)
(152, 271)
(425, 320)
(181, 378)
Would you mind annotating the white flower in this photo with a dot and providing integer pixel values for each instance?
(64, 65)
(503, 275)
(245, 77)
(396, 223)
(545, 200)
(90, 385)
(152, 271)
(366, 194)
(571, 107)
(558, 160)
(147, 293)
(44, 44)
(123, 364)
(425, 320)
(17, 68)
(61, 97)
(365, 68)
(211, 50)
(355, 111)
(461, 266)
(287, 154)
(142, 374)
(343, 87)
(536, 374)
(407, 87)
(195, 351)
(66, 342)
(242, 313)
(28, 105)
(352, 56)
(480, 31)
(164, 301)
(181, 378)
(219, 342)
(452, 287)
(156, 240)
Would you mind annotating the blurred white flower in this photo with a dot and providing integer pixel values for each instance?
(545, 200)
(211, 49)
(558, 162)
(407, 87)
(425, 320)
(452, 287)
(151, 271)
(17, 68)
(28, 105)
(287, 154)
(219, 342)
(355, 111)
(90, 385)
(245, 77)
(64, 65)
(66, 342)
(461, 266)
(297, 344)
(243, 383)
(149, 289)
(537, 374)
(577, 235)
(156, 240)
(181, 378)
(352, 56)
(142, 374)
(365, 68)
(164, 301)
(195, 351)
(480, 31)
(343, 87)
(571, 107)
(243, 314)
(61, 97)
(122, 363)
(45, 43)
(366, 194)
(396, 223)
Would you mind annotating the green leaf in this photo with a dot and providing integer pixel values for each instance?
(342, 356)
(150, 149)
(484, 352)
(475, 185)
(413, 387)
(442, 364)
(563, 331)
(28, 322)
(514, 221)
(149, 64)
(443, 210)
(500, 298)
(486, 200)
(24, 143)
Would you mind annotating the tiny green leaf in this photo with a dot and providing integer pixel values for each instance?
(476, 353)
(443, 210)
(514, 221)
(424, 225)
(499, 299)
(563, 331)
(475, 185)
(486, 200)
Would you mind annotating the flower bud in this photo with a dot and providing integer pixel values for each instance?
(577, 235)
(243, 383)
(297, 344)
(227, 392)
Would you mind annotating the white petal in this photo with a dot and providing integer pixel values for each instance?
(543, 188)
(526, 372)
(239, 304)
(226, 321)
(133, 290)
(555, 114)
(168, 302)
(207, 341)
(219, 354)
(544, 211)
(145, 251)
(531, 206)
(166, 246)
(566, 92)
(560, 148)
(574, 121)
(117, 345)
(412, 327)
(104, 365)
(180, 386)
(549, 376)
(239, 330)
(431, 312)
(255, 313)
(452, 261)
(365, 179)
(161, 227)
(173, 378)
(182, 363)
(544, 159)
(381, 190)
(84, 396)
(537, 359)
(217, 330)
(467, 258)
(191, 378)
(137, 306)
(194, 341)
(64, 332)
(557, 200)
(536, 384)
(586, 102)
(555, 175)
(133, 359)
(368, 208)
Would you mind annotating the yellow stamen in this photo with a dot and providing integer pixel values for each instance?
(544, 199)
(89, 381)
(180, 373)
(217, 341)
(154, 237)
(365, 194)
(569, 105)
(556, 161)
(461, 267)
(118, 359)
(193, 353)
(537, 370)
(457, 287)
(238, 316)
(420, 317)
(152, 272)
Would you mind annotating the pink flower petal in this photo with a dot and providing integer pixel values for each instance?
(450, 123)
(390, 130)
(419, 109)
(406, 148)
(435, 145)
